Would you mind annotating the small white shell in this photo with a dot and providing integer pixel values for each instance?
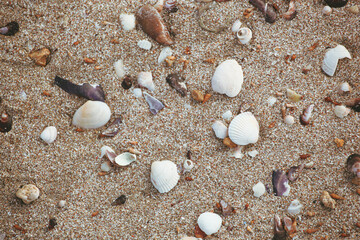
(127, 21)
(188, 165)
(144, 44)
(62, 203)
(209, 222)
(295, 207)
(125, 159)
(237, 152)
(244, 35)
(119, 68)
(341, 111)
(164, 175)
(228, 78)
(227, 115)
(93, 114)
(165, 52)
(244, 129)
(259, 189)
(332, 57)
(344, 88)
(49, 134)
(105, 166)
(253, 153)
(28, 193)
(220, 129)
(104, 149)
(236, 26)
(145, 80)
(137, 92)
(326, 10)
(289, 119)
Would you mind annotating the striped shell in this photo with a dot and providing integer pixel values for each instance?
(93, 114)
(164, 175)
(244, 129)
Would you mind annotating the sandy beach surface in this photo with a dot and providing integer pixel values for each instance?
(68, 169)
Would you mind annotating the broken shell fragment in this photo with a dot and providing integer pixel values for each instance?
(93, 114)
(119, 201)
(41, 56)
(336, 3)
(280, 183)
(344, 88)
(177, 82)
(295, 207)
(267, 9)
(305, 116)
(152, 24)
(209, 222)
(164, 54)
(220, 129)
(293, 96)
(354, 9)
(9, 29)
(105, 150)
(327, 10)
(188, 165)
(341, 111)
(244, 35)
(197, 95)
(227, 115)
(145, 80)
(236, 26)
(291, 13)
(326, 199)
(294, 172)
(332, 57)
(353, 164)
(226, 208)
(354, 103)
(28, 193)
(228, 78)
(171, 6)
(279, 231)
(144, 44)
(125, 159)
(119, 68)
(5, 122)
(244, 129)
(259, 189)
(49, 134)
(164, 175)
(154, 104)
(127, 21)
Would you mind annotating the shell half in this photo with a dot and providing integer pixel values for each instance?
(49, 134)
(209, 222)
(244, 129)
(125, 159)
(93, 114)
(332, 57)
(164, 175)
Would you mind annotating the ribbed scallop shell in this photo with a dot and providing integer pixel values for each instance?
(332, 57)
(244, 129)
(209, 222)
(93, 114)
(164, 175)
(49, 134)
(228, 78)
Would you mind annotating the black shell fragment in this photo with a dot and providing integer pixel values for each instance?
(52, 224)
(177, 82)
(280, 183)
(119, 201)
(10, 29)
(5, 122)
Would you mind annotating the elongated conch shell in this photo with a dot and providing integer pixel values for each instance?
(127, 21)
(49, 134)
(93, 114)
(236, 26)
(332, 57)
(295, 207)
(145, 80)
(228, 78)
(125, 159)
(164, 175)
(28, 193)
(306, 115)
(152, 24)
(244, 35)
(209, 222)
(144, 44)
(154, 104)
(244, 129)
(341, 111)
(220, 129)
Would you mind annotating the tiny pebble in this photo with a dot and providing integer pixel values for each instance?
(253, 153)
(271, 101)
(62, 203)
(137, 92)
(327, 10)
(289, 119)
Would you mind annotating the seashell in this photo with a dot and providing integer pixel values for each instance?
(279, 231)
(125, 159)
(341, 111)
(220, 129)
(353, 164)
(305, 116)
(93, 114)
(5, 122)
(289, 226)
(267, 9)
(119, 68)
(171, 6)
(9, 29)
(294, 172)
(40, 56)
(236, 26)
(159, 5)
(280, 183)
(271, 101)
(326, 199)
(127, 82)
(228, 78)
(164, 54)
(295, 207)
(259, 189)
(293, 96)
(144, 44)
(145, 80)
(209, 222)
(164, 175)
(332, 57)
(344, 88)
(354, 9)
(289, 119)
(177, 82)
(154, 104)
(127, 21)
(105, 150)
(291, 12)
(336, 3)
(244, 35)
(253, 153)
(62, 203)
(188, 165)
(244, 129)
(49, 134)
(189, 238)
(227, 115)
(226, 208)
(354, 103)
(326, 10)
(28, 193)
(137, 92)
(105, 166)
(237, 152)
(153, 25)
(197, 95)
(85, 90)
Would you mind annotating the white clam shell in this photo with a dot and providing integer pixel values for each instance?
(165, 52)
(289, 119)
(209, 222)
(244, 35)
(236, 26)
(145, 80)
(125, 159)
(341, 111)
(259, 189)
(93, 114)
(220, 129)
(228, 78)
(28, 193)
(127, 21)
(164, 175)
(332, 57)
(49, 134)
(295, 207)
(119, 68)
(244, 129)
(144, 44)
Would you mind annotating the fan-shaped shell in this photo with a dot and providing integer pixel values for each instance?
(228, 78)
(244, 35)
(244, 129)
(164, 175)
(209, 222)
(49, 134)
(332, 57)
(93, 114)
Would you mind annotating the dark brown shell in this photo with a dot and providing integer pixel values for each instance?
(152, 24)
(5, 122)
(352, 159)
(336, 3)
(174, 80)
(127, 82)
(354, 103)
(267, 9)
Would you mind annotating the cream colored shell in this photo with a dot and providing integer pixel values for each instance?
(93, 114)
(164, 175)
(244, 129)
(209, 222)
(28, 193)
(49, 134)
(332, 57)
(244, 35)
